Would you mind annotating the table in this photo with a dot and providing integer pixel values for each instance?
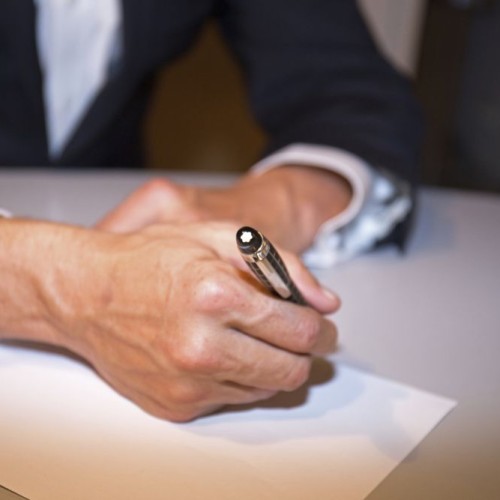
(430, 318)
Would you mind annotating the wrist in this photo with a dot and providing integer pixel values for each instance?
(295, 201)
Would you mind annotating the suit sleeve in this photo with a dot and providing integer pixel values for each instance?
(315, 76)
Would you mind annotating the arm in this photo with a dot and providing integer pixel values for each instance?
(314, 77)
(288, 204)
(120, 302)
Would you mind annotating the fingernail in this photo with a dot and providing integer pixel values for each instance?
(331, 296)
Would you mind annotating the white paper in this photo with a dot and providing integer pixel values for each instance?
(64, 434)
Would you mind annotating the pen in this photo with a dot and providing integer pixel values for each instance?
(264, 261)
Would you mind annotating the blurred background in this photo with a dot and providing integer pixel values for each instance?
(450, 48)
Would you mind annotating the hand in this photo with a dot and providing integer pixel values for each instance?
(288, 204)
(167, 315)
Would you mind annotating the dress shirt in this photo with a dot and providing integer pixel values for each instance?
(79, 40)
(379, 202)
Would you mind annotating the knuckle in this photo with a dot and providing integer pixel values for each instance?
(214, 293)
(156, 187)
(298, 375)
(185, 395)
(180, 401)
(196, 355)
(308, 332)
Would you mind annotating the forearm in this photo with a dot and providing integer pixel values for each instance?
(32, 285)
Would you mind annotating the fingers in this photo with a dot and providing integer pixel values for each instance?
(238, 300)
(227, 355)
(156, 201)
(222, 294)
(139, 209)
(289, 327)
(320, 298)
(221, 236)
(203, 374)
(183, 400)
(254, 363)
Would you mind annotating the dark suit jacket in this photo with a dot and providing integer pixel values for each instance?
(313, 73)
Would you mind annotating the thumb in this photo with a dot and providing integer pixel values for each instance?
(318, 297)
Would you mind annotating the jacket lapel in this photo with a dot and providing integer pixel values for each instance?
(21, 20)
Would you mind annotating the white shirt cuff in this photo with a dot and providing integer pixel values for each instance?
(5, 213)
(378, 202)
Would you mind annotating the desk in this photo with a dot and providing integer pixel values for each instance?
(430, 319)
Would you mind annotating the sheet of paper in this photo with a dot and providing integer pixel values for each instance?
(6, 494)
(65, 434)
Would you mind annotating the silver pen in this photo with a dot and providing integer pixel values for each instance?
(264, 261)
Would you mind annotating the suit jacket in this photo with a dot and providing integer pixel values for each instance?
(313, 72)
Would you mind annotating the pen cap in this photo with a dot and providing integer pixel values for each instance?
(249, 240)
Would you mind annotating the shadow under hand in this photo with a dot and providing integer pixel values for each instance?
(322, 371)
(336, 403)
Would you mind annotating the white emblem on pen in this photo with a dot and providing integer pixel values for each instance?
(246, 236)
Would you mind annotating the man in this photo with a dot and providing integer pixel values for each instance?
(155, 297)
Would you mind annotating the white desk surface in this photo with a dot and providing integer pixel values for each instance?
(430, 319)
